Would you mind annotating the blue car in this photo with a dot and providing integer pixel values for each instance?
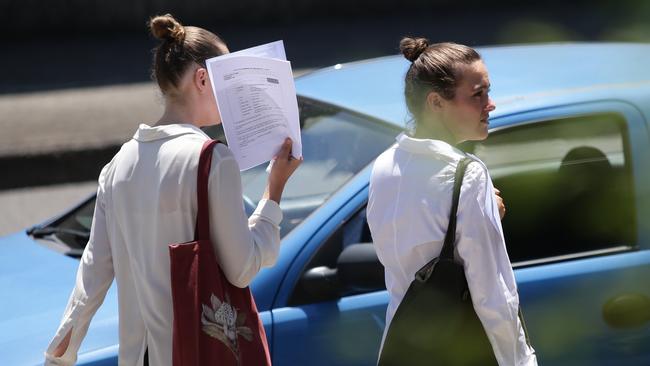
(569, 148)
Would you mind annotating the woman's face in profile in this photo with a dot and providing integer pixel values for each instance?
(466, 116)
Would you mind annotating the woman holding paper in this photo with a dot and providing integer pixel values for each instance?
(147, 199)
(446, 91)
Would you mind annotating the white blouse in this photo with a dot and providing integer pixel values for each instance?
(147, 200)
(408, 213)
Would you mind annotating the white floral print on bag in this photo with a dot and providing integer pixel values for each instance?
(223, 322)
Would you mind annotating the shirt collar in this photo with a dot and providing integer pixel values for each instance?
(427, 146)
(147, 133)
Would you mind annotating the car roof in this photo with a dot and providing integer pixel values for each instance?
(522, 77)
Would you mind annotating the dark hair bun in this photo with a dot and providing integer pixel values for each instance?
(166, 28)
(412, 48)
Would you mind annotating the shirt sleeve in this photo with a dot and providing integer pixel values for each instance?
(242, 246)
(94, 277)
(489, 273)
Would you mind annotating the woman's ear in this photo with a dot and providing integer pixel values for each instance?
(201, 80)
(434, 101)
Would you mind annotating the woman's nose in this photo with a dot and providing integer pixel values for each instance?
(490, 106)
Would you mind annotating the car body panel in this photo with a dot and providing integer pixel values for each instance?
(346, 331)
(35, 292)
(564, 302)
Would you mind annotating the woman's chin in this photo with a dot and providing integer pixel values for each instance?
(484, 130)
(480, 134)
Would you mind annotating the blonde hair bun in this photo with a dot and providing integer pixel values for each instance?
(167, 28)
(412, 48)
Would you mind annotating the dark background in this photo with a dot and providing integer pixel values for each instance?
(64, 44)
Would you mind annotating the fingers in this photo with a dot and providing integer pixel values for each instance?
(285, 150)
(501, 206)
(292, 164)
(296, 163)
(500, 201)
(498, 192)
(284, 164)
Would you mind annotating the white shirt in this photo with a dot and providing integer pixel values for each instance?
(408, 213)
(147, 200)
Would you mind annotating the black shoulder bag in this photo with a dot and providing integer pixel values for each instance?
(435, 324)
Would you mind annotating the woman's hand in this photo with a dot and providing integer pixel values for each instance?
(283, 167)
(500, 204)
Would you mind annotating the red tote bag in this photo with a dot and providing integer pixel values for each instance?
(215, 322)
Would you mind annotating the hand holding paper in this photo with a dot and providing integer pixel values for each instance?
(281, 168)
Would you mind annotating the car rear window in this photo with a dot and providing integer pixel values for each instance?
(337, 144)
(566, 183)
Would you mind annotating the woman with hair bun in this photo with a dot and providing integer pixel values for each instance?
(446, 91)
(147, 199)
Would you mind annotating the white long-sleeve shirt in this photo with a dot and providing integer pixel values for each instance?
(146, 200)
(408, 213)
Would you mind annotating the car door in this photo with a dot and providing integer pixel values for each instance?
(318, 319)
(574, 180)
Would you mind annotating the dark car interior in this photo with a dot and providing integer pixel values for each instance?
(580, 203)
(585, 205)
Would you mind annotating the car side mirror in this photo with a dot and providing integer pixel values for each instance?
(321, 283)
(359, 269)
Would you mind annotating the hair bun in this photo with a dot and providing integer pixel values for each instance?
(412, 48)
(166, 28)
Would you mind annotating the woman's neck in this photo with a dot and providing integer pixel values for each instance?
(434, 131)
(177, 113)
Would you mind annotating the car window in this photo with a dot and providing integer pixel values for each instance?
(77, 221)
(566, 183)
(337, 144)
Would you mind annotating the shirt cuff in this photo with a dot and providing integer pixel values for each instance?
(269, 210)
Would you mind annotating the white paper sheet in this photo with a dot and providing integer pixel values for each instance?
(269, 50)
(258, 106)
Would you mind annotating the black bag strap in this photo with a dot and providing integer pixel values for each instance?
(447, 251)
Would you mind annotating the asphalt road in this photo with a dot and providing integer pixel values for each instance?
(22, 208)
(97, 116)
(75, 119)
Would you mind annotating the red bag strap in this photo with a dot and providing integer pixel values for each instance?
(202, 231)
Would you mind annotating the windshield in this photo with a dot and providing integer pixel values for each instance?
(337, 144)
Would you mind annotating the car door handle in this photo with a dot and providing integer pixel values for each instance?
(627, 311)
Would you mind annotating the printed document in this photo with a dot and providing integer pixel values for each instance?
(256, 96)
(269, 50)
